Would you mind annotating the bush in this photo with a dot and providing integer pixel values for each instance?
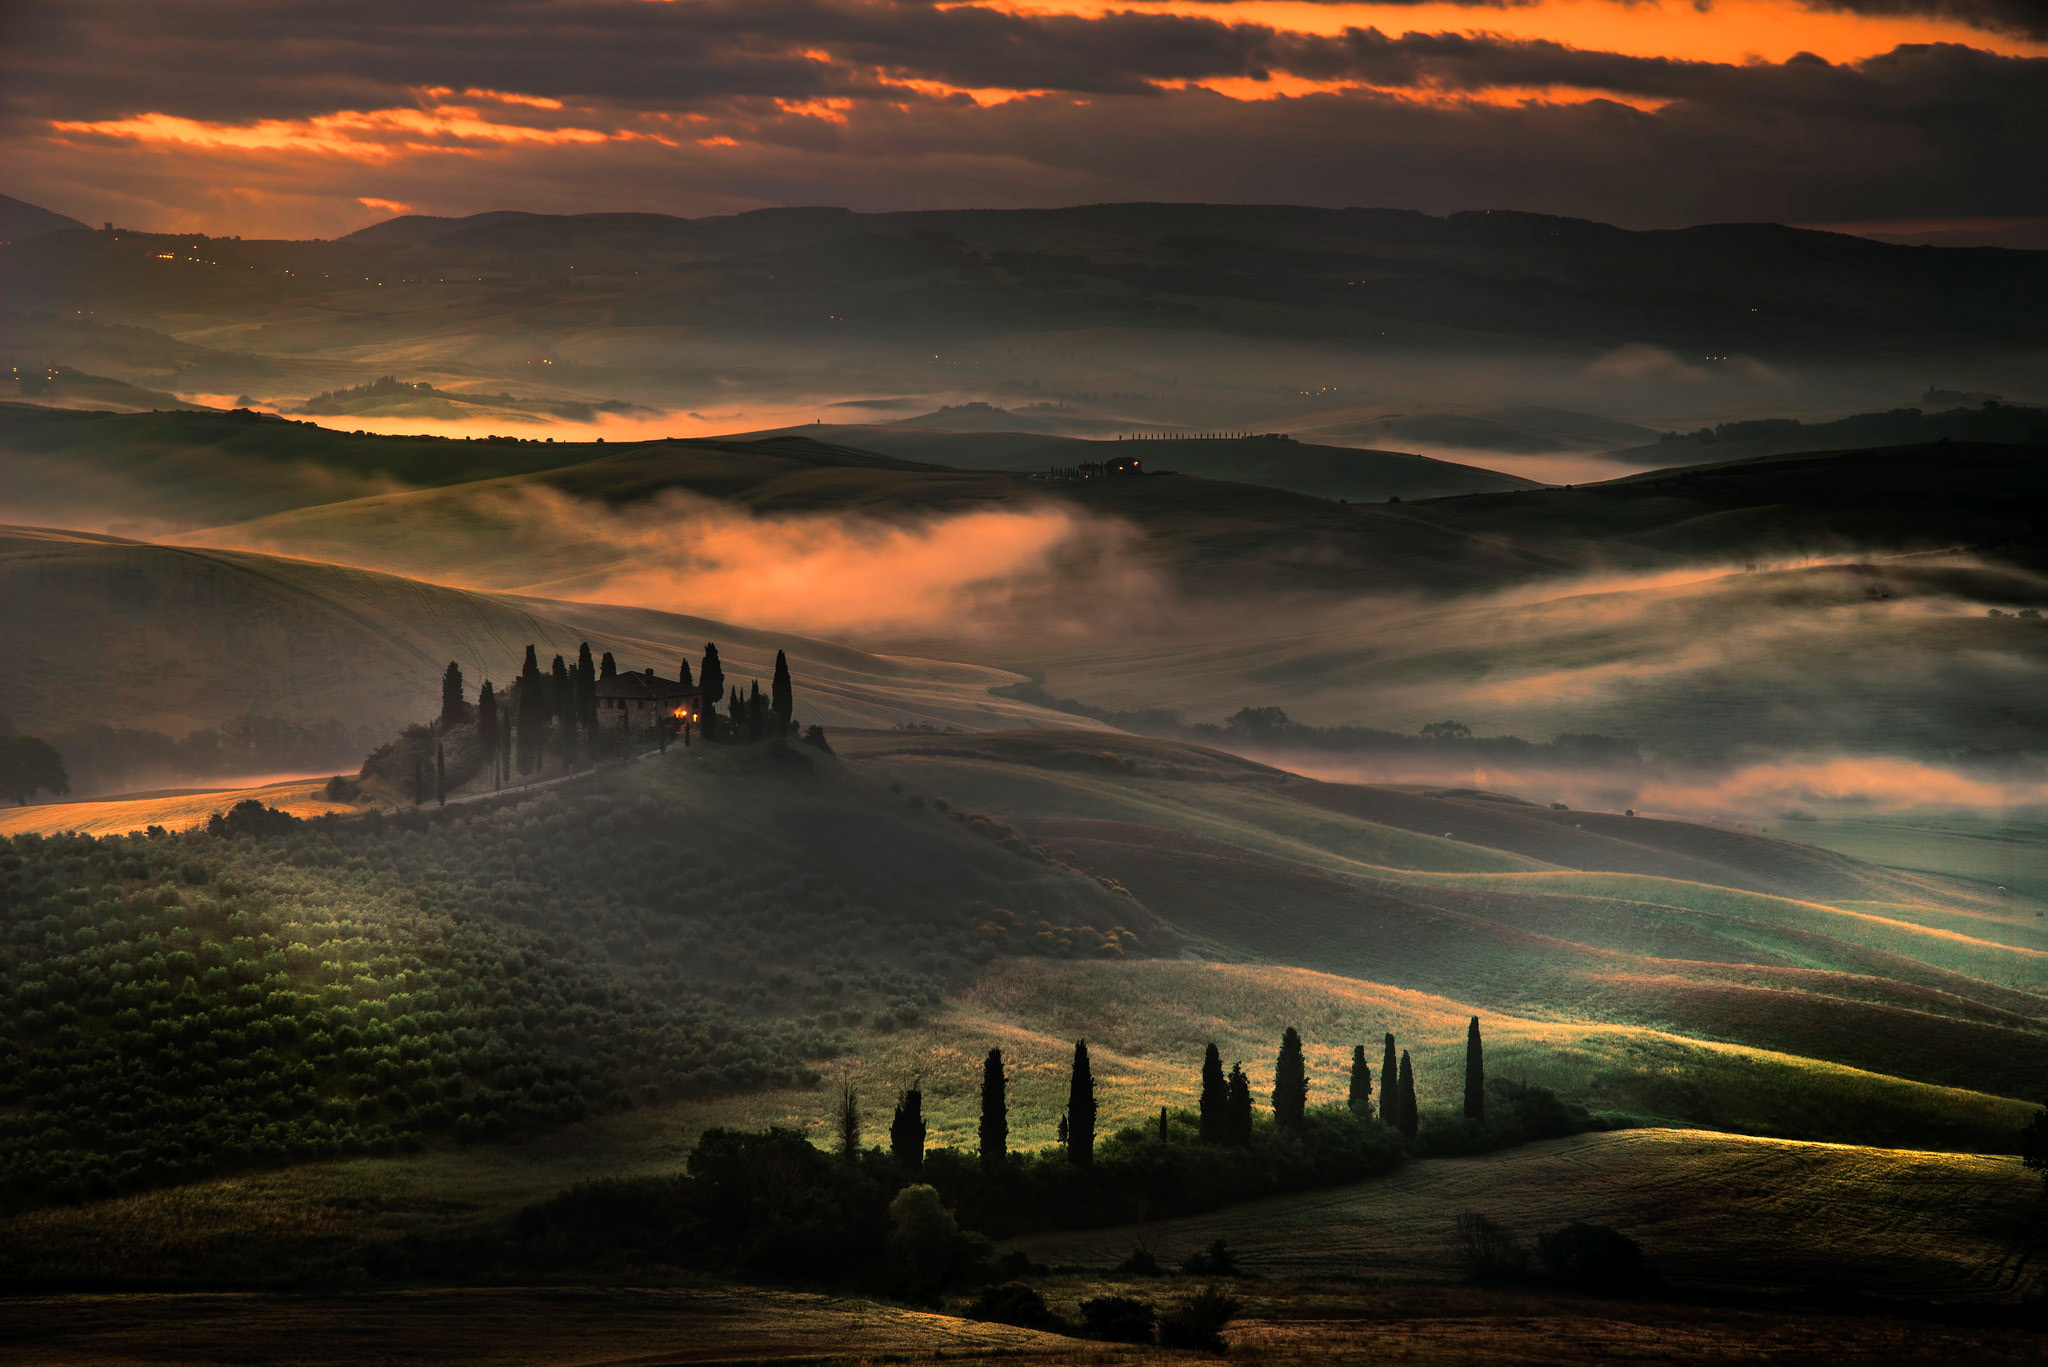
(1118, 1319)
(1490, 1252)
(1197, 1321)
(1014, 1303)
(1141, 1263)
(1598, 1260)
(1214, 1261)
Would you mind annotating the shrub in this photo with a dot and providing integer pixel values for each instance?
(1489, 1251)
(1141, 1263)
(1214, 1261)
(1014, 1303)
(1118, 1319)
(1598, 1260)
(1197, 1321)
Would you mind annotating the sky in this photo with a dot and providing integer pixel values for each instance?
(317, 117)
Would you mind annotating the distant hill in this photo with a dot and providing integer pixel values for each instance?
(1511, 431)
(1328, 472)
(20, 221)
(1730, 441)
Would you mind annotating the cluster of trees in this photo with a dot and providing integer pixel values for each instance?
(28, 765)
(555, 712)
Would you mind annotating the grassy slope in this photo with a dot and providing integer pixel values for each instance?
(1253, 865)
(187, 637)
(1708, 1209)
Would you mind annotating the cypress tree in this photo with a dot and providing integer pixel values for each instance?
(1238, 1131)
(711, 679)
(608, 668)
(907, 1131)
(454, 710)
(1290, 1083)
(995, 1113)
(487, 725)
(784, 699)
(1360, 1100)
(1407, 1099)
(757, 713)
(1215, 1125)
(440, 774)
(684, 677)
(561, 695)
(1475, 1075)
(849, 1121)
(586, 690)
(531, 710)
(1061, 1132)
(736, 709)
(1390, 1092)
(1081, 1110)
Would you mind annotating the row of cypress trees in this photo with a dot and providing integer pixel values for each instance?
(1224, 1109)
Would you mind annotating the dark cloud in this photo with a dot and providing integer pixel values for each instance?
(2026, 18)
(1922, 131)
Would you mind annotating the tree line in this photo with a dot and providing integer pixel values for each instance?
(1225, 1109)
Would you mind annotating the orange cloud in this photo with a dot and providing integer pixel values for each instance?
(1280, 85)
(1725, 31)
(361, 135)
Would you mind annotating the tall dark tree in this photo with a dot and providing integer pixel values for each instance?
(711, 679)
(1407, 1097)
(1290, 1083)
(907, 1131)
(586, 690)
(607, 668)
(1360, 1099)
(995, 1113)
(784, 699)
(1475, 1075)
(1239, 1131)
(684, 677)
(736, 709)
(487, 726)
(1081, 1110)
(1162, 1124)
(561, 696)
(1390, 1091)
(530, 693)
(1215, 1112)
(454, 707)
(757, 713)
(847, 1121)
(29, 764)
(440, 774)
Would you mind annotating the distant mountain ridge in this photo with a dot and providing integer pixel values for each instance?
(20, 220)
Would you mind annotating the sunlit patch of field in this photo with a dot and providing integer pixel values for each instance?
(1709, 1210)
(176, 812)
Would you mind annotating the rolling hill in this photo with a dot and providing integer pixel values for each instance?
(190, 637)
(1326, 472)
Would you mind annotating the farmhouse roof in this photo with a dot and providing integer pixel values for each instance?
(643, 687)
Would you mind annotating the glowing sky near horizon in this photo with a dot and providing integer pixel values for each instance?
(317, 118)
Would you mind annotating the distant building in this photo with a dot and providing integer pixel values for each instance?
(641, 698)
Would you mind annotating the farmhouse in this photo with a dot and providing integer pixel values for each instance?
(641, 698)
